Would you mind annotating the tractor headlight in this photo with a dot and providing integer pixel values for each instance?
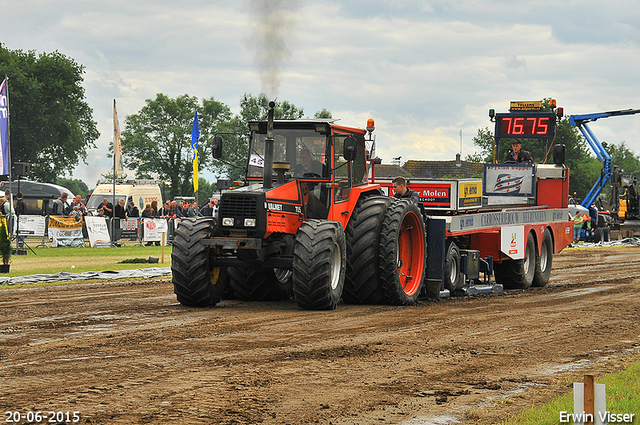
(227, 221)
(249, 222)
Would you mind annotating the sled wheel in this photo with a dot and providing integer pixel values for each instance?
(544, 261)
(518, 274)
(319, 263)
(402, 253)
(453, 278)
(195, 281)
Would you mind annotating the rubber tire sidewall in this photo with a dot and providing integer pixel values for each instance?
(362, 279)
(452, 254)
(314, 271)
(511, 274)
(541, 277)
(389, 252)
(191, 265)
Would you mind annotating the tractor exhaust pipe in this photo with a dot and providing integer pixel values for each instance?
(268, 149)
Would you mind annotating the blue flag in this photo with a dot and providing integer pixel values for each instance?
(195, 134)
(4, 130)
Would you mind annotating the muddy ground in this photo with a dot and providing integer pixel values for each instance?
(125, 352)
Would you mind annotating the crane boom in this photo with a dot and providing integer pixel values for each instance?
(581, 122)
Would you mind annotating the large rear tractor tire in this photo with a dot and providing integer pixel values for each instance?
(402, 253)
(518, 274)
(319, 263)
(260, 284)
(195, 281)
(362, 280)
(544, 261)
(453, 277)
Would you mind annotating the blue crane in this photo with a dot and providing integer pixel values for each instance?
(581, 121)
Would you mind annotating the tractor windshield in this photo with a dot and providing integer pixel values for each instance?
(303, 149)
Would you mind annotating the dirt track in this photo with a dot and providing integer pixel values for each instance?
(126, 352)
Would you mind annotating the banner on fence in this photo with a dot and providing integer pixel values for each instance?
(65, 231)
(98, 232)
(129, 228)
(30, 225)
(153, 229)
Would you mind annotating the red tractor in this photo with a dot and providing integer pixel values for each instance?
(307, 223)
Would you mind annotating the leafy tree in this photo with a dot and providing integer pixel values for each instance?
(51, 124)
(76, 186)
(205, 190)
(156, 142)
(324, 113)
(623, 157)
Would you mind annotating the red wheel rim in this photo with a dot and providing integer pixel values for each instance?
(410, 253)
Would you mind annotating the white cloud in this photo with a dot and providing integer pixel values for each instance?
(423, 69)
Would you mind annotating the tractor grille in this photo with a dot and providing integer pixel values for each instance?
(239, 206)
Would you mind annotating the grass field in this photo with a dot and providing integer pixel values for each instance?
(76, 260)
(622, 390)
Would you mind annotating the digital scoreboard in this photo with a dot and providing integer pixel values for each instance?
(525, 125)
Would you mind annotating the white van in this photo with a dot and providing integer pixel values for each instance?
(141, 192)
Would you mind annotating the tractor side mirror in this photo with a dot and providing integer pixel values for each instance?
(349, 151)
(558, 154)
(217, 147)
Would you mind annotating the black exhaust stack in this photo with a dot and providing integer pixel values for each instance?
(268, 149)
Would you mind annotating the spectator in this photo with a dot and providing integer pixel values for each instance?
(401, 191)
(120, 211)
(154, 207)
(100, 212)
(107, 208)
(147, 212)
(192, 211)
(9, 211)
(60, 206)
(76, 213)
(207, 209)
(215, 207)
(77, 201)
(21, 207)
(587, 228)
(166, 210)
(577, 227)
(174, 210)
(133, 211)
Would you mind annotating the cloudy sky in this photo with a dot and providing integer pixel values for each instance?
(424, 70)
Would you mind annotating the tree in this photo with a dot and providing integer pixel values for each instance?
(205, 190)
(156, 142)
(51, 124)
(324, 113)
(76, 186)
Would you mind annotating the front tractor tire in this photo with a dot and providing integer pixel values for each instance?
(195, 281)
(319, 262)
(402, 253)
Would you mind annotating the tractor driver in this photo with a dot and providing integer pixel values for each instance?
(307, 165)
(516, 154)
